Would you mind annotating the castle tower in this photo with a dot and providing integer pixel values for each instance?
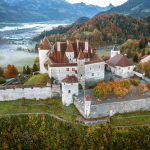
(86, 46)
(43, 49)
(115, 51)
(70, 87)
(81, 68)
(70, 52)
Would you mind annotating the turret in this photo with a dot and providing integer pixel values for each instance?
(115, 51)
(43, 49)
(70, 52)
(70, 87)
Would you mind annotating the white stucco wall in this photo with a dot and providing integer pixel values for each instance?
(42, 60)
(70, 56)
(146, 59)
(68, 90)
(124, 72)
(27, 93)
(60, 73)
(95, 71)
(114, 53)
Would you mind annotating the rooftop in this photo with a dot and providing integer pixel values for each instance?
(70, 79)
(120, 60)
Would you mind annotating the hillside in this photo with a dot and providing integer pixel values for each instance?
(136, 8)
(105, 28)
(37, 10)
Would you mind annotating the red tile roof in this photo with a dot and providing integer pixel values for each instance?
(70, 79)
(69, 47)
(81, 55)
(120, 60)
(45, 44)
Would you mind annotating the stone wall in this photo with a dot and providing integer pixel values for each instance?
(109, 109)
(79, 105)
(15, 93)
(119, 107)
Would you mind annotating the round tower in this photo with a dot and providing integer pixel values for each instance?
(70, 87)
(115, 51)
(43, 49)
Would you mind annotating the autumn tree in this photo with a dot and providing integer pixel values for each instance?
(10, 71)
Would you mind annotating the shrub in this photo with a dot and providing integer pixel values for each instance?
(135, 82)
(2, 80)
(148, 86)
(120, 91)
(142, 89)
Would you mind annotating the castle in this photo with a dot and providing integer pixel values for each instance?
(76, 63)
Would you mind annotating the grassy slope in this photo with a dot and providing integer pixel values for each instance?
(133, 118)
(42, 106)
(40, 79)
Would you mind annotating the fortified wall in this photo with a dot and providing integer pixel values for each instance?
(26, 92)
(108, 109)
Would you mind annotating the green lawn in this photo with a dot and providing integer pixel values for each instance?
(128, 119)
(40, 79)
(42, 106)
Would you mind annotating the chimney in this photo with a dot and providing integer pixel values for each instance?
(67, 42)
(77, 44)
(86, 45)
(58, 47)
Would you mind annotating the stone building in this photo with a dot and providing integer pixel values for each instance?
(121, 66)
(76, 58)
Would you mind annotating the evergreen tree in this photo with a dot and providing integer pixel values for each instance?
(1, 72)
(35, 68)
(136, 58)
(143, 43)
(28, 70)
(24, 70)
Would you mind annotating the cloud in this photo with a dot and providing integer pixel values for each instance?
(99, 2)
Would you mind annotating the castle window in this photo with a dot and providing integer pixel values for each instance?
(67, 69)
(69, 91)
(73, 69)
(92, 74)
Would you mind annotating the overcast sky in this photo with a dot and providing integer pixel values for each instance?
(99, 2)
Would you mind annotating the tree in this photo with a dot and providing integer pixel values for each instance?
(120, 91)
(129, 54)
(35, 68)
(28, 70)
(136, 58)
(24, 70)
(1, 72)
(143, 43)
(10, 71)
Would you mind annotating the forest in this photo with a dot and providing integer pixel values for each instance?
(44, 132)
(102, 30)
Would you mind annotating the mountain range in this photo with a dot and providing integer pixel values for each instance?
(136, 8)
(44, 10)
(103, 29)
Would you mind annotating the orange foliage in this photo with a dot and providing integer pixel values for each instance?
(10, 72)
